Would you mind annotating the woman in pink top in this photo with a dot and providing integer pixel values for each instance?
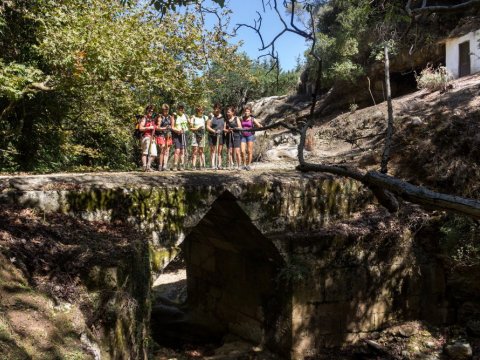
(248, 138)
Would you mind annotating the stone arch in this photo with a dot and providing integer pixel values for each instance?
(232, 277)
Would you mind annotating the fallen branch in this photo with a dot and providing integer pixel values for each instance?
(422, 196)
(383, 186)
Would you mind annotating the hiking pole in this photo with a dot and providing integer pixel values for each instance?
(168, 136)
(202, 157)
(214, 157)
(185, 151)
(147, 166)
(232, 147)
(216, 152)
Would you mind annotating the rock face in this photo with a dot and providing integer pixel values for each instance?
(296, 263)
(274, 108)
(459, 351)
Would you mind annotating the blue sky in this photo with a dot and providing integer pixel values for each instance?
(289, 46)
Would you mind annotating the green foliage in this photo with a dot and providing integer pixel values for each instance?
(351, 35)
(15, 78)
(73, 73)
(243, 80)
(165, 5)
(294, 272)
(434, 79)
(461, 240)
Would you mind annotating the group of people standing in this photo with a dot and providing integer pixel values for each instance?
(188, 136)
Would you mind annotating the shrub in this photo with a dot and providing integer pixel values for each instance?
(434, 79)
(262, 145)
(460, 238)
(353, 107)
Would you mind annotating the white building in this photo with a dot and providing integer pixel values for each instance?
(462, 50)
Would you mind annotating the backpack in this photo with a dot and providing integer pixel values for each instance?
(137, 134)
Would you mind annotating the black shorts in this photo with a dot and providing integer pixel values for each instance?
(212, 139)
(178, 140)
(233, 140)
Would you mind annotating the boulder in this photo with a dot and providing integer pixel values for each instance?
(459, 351)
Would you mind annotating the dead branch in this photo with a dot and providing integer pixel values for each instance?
(275, 125)
(422, 196)
(383, 185)
(424, 7)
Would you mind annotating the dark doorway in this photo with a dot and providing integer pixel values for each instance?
(464, 59)
(232, 286)
(232, 283)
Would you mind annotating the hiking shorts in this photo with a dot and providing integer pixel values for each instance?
(212, 140)
(198, 139)
(233, 140)
(161, 140)
(146, 145)
(178, 141)
(247, 139)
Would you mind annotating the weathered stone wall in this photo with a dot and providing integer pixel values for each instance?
(168, 207)
(336, 283)
(353, 284)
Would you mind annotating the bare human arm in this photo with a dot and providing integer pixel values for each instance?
(144, 128)
(209, 126)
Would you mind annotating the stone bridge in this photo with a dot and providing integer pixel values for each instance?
(267, 254)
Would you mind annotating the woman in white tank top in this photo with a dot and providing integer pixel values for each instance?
(197, 126)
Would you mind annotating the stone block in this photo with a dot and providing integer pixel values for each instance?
(300, 313)
(345, 284)
(303, 345)
(311, 290)
(248, 328)
(336, 286)
(383, 318)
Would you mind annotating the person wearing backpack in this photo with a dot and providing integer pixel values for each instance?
(197, 127)
(147, 128)
(179, 134)
(164, 123)
(233, 138)
(137, 134)
(248, 138)
(215, 127)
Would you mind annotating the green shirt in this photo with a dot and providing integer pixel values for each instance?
(181, 122)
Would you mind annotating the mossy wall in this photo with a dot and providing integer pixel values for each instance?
(167, 210)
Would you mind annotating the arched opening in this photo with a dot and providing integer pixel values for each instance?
(232, 283)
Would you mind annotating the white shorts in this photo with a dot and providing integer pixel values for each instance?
(146, 144)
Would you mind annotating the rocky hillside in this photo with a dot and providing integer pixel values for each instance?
(436, 141)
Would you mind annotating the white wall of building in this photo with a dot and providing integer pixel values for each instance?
(452, 54)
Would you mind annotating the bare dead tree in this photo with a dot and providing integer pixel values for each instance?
(389, 137)
(384, 187)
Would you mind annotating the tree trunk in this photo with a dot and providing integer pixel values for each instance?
(388, 139)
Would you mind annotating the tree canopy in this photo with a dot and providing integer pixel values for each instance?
(73, 73)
